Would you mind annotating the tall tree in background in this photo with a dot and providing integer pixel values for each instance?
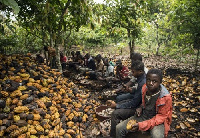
(126, 14)
(50, 19)
(157, 16)
(186, 20)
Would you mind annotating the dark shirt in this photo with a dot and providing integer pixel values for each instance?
(150, 107)
(137, 100)
(40, 59)
(45, 48)
(91, 64)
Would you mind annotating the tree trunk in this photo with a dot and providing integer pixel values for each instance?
(133, 46)
(197, 60)
(58, 57)
(131, 42)
(157, 39)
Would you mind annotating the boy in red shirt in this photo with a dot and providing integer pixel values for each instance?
(155, 112)
(122, 71)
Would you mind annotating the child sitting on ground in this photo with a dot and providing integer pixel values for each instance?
(122, 71)
(155, 112)
(127, 103)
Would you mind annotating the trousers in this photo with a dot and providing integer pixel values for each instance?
(156, 132)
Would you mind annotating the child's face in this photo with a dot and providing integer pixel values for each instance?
(136, 73)
(153, 82)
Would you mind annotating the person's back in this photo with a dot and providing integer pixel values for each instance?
(109, 68)
(90, 63)
(39, 58)
(99, 63)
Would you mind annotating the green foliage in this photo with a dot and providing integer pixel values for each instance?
(11, 4)
(187, 22)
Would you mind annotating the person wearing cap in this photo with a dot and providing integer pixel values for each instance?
(122, 71)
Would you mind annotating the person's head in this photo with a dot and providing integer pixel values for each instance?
(105, 61)
(119, 64)
(73, 53)
(153, 80)
(87, 56)
(78, 53)
(136, 56)
(137, 68)
(98, 58)
(38, 55)
(80, 57)
(61, 54)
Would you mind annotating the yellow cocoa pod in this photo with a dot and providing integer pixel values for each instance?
(36, 117)
(130, 124)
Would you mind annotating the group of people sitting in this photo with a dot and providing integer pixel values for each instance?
(144, 101)
(98, 68)
(141, 97)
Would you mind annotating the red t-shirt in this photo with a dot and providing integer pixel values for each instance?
(124, 72)
(63, 59)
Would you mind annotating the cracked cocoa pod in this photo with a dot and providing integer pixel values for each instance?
(79, 119)
(75, 119)
(23, 116)
(10, 115)
(40, 95)
(30, 117)
(2, 104)
(48, 104)
(33, 88)
(21, 123)
(9, 123)
(130, 124)
(28, 100)
(40, 111)
(3, 116)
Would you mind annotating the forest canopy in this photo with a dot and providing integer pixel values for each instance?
(167, 27)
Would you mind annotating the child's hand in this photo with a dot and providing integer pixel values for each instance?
(139, 111)
(128, 89)
(111, 104)
(135, 127)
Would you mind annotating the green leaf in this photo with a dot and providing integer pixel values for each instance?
(12, 4)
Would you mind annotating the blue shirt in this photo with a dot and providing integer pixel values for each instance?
(137, 100)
